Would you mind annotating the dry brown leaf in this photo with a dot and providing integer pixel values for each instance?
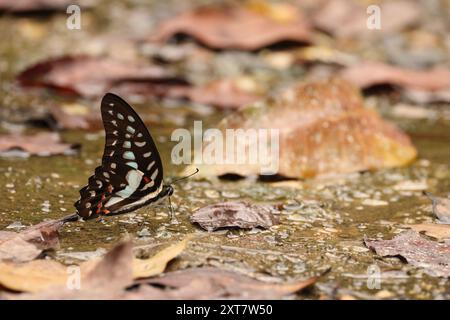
(106, 280)
(224, 93)
(33, 276)
(23, 6)
(438, 231)
(367, 74)
(213, 283)
(73, 116)
(91, 76)
(432, 256)
(29, 244)
(144, 268)
(234, 214)
(238, 27)
(41, 275)
(40, 144)
(323, 128)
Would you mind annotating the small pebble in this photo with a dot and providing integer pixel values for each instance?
(374, 202)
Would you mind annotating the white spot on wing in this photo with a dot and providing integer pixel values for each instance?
(140, 144)
(120, 116)
(154, 174)
(146, 155)
(148, 185)
(113, 165)
(128, 155)
(130, 118)
(112, 201)
(151, 164)
(131, 129)
(127, 144)
(132, 164)
(144, 199)
(133, 178)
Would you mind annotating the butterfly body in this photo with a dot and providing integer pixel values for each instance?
(131, 173)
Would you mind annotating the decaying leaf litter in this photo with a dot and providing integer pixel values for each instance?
(322, 221)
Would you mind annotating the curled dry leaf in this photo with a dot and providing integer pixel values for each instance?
(224, 93)
(34, 276)
(40, 144)
(29, 243)
(239, 27)
(74, 116)
(438, 231)
(344, 18)
(432, 256)
(105, 280)
(144, 268)
(213, 283)
(34, 5)
(367, 74)
(323, 128)
(91, 76)
(441, 208)
(43, 275)
(234, 214)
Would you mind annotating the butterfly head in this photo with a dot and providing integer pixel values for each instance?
(167, 190)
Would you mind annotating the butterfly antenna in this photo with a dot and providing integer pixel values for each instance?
(188, 176)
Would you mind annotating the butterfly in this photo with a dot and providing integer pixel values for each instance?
(131, 173)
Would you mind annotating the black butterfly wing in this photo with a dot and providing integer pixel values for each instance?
(131, 173)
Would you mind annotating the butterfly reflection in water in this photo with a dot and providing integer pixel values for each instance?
(131, 173)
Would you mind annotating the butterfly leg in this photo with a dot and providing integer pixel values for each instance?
(173, 218)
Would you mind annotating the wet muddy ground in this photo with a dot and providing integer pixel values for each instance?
(323, 221)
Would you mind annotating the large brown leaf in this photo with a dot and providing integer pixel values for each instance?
(324, 129)
(367, 74)
(438, 231)
(432, 256)
(41, 144)
(91, 76)
(234, 214)
(238, 27)
(223, 93)
(213, 283)
(43, 275)
(105, 280)
(28, 244)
